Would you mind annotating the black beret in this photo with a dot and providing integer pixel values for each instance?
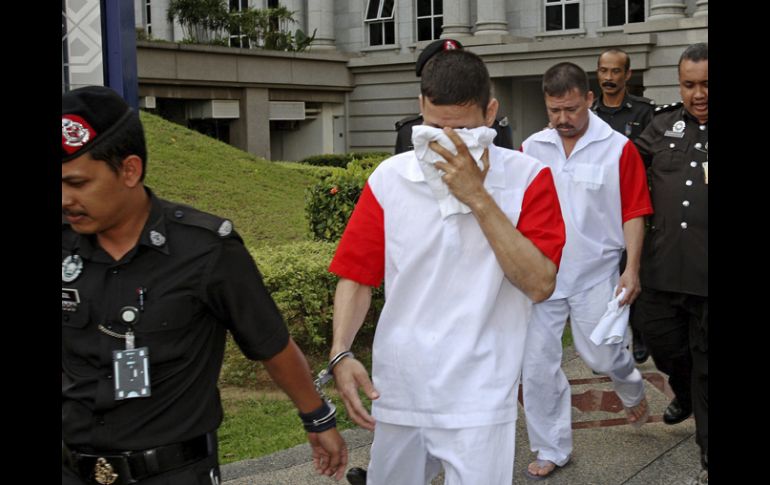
(433, 48)
(90, 116)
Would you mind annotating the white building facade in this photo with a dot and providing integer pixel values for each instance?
(357, 79)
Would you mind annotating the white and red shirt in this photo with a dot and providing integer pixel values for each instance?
(449, 342)
(601, 186)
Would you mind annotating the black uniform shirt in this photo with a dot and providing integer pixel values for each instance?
(200, 281)
(504, 137)
(675, 252)
(630, 118)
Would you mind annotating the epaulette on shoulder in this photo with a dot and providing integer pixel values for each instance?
(409, 119)
(641, 99)
(664, 108)
(190, 216)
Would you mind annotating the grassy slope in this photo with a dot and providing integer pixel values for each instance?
(264, 200)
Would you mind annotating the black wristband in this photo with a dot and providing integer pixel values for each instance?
(320, 419)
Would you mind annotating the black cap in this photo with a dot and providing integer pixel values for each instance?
(433, 48)
(89, 116)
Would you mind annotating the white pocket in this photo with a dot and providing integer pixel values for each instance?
(589, 175)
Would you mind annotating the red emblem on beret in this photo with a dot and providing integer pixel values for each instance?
(450, 45)
(75, 132)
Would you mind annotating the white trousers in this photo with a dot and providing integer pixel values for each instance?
(547, 396)
(407, 455)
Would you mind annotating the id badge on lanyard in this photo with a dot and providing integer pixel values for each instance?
(131, 366)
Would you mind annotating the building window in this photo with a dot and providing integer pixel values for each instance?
(236, 38)
(621, 12)
(430, 19)
(379, 19)
(562, 14)
(148, 17)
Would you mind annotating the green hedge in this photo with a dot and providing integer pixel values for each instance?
(329, 203)
(341, 160)
(327, 160)
(297, 277)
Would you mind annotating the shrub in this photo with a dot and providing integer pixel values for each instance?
(320, 173)
(297, 277)
(329, 203)
(327, 160)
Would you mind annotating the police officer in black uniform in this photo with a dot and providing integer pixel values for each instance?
(626, 114)
(672, 310)
(149, 290)
(504, 137)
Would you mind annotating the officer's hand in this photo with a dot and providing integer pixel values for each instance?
(349, 376)
(462, 175)
(330, 453)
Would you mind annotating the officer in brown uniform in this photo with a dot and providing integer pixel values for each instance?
(404, 126)
(149, 290)
(672, 310)
(626, 114)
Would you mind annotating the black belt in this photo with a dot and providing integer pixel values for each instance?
(127, 467)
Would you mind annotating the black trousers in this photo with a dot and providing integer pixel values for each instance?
(675, 328)
(202, 472)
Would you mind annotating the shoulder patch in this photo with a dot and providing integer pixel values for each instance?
(408, 120)
(190, 216)
(667, 107)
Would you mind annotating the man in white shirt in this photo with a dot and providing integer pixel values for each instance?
(460, 278)
(602, 189)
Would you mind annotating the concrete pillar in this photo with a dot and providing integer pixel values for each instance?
(457, 19)
(667, 9)
(251, 131)
(491, 17)
(701, 8)
(320, 16)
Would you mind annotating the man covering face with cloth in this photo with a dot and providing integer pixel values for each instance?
(466, 235)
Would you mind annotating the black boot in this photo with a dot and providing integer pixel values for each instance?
(640, 352)
(356, 476)
(676, 412)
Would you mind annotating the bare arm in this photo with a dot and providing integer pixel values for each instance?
(525, 266)
(289, 369)
(351, 302)
(633, 232)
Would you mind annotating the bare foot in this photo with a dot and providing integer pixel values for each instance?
(638, 415)
(541, 468)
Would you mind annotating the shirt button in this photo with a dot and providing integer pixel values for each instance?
(672, 145)
(178, 214)
(688, 183)
(684, 225)
(698, 145)
(115, 271)
(109, 376)
(686, 203)
(693, 164)
(702, 127)
(66, 318)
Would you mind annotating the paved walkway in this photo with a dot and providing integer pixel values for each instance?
(606, 450)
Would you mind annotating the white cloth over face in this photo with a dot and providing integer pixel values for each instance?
(476, 139)
(611, 329)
